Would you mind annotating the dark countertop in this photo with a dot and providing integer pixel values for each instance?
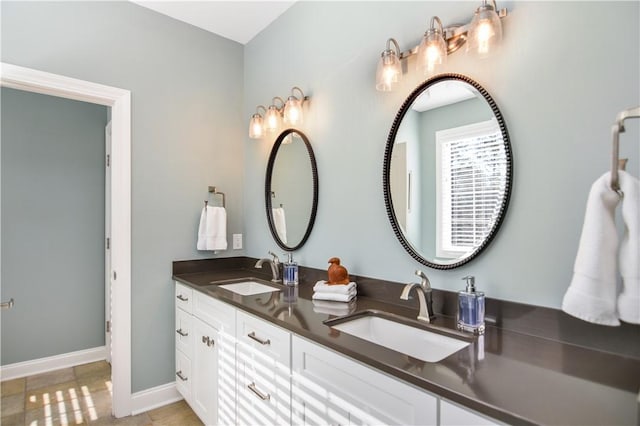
(513, 377)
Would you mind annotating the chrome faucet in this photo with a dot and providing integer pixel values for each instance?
(274, 264)
(424, 296)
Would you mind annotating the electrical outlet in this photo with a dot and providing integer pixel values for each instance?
(237, 241)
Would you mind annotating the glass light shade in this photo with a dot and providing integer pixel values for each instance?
(272, 119)
(293, 111)
(485, 32)
(256, 127)
(389, 71)
(431, 52)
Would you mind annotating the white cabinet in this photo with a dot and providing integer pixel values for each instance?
(455, 415)
(329, 388)
(204, 375)
(184, 340)
(263, 372)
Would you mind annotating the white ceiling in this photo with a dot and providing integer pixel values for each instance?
(238, 20)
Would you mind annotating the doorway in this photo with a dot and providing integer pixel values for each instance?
(21, 78)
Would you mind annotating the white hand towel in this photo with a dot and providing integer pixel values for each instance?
(629, 299)
(337, 309)
(212, 232)
(591, 296)
(337, 297)
(280, 223)
(323, 287)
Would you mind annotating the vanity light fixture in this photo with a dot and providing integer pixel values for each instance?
(432, 50)
(389, 71)
(256, 125)
(290, 112)
(482, 35)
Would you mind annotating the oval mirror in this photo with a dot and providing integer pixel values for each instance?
(447, 171)
(291, 189)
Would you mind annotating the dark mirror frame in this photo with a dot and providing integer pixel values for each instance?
(387, 169)
(267, 189)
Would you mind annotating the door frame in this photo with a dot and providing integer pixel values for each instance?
(31, 80)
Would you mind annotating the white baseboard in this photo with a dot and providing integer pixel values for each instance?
(43, 365)
(154, 397)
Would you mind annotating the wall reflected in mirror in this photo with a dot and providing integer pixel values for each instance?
(447, 171)
(291, 189)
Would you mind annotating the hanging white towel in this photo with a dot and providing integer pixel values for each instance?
(280, 223)
(629, 299)
(212, 232)
(323, 287)
(591, 296)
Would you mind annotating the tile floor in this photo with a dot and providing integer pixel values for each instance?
(78, 395)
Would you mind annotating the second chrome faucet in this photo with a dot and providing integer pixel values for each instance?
(425, 299)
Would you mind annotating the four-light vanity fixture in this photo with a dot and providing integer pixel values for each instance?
(482, 35)
(289, 112)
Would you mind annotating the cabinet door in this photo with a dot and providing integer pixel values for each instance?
(455, 415)
(205, 372)
(329, 388)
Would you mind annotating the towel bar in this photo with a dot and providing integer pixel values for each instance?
(214, 191)
(616, 129)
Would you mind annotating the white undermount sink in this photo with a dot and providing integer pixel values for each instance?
(416, 342)
(248, 288)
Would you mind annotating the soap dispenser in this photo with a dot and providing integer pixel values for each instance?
(290, 275)
(471, 308)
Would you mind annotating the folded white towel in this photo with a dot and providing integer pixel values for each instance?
(333, 308)
(629, 299)
(337, 297)
(212, 232)
(591, 296)
(280, 223)
(323, 287)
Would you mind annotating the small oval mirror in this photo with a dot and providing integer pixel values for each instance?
(447, 171)
(291, 190)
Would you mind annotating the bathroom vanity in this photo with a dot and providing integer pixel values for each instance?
(269, 358)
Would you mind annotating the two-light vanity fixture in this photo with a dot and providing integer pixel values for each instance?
(289, 112)
(482, 35)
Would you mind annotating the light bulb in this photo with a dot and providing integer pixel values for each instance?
(433, 49)
(389, 70)
(272, 119)
(485, 31)
(293, 111)
(256, 129)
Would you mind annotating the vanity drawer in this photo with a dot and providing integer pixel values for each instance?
(183, 375)
(264, 338)
(217, 314)
(184, 334)
(184, 297)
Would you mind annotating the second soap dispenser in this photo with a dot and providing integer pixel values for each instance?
(471, 308)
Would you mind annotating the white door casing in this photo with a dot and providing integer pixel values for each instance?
(30, 80)
(107, 235)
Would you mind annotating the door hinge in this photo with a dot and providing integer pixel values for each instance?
(108, 160)
(108, 326)
(108, 243)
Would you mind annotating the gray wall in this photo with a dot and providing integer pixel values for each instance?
(566, 69)
(52, 225)
(187, 133)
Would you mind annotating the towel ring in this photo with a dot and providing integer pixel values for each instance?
(214, 191)
(616, 129)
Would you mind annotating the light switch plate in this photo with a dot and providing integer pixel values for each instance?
(237, 241)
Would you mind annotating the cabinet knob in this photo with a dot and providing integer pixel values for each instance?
(208, 341)
(182, 333)
(181, 376)
(181, 297)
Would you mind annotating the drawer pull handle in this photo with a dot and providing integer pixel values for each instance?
(252, 388)
(181, 297)
(179, 374)
(182, 333)
(253, 336)
(208, 341)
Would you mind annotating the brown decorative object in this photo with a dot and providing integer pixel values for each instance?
(337, 273)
